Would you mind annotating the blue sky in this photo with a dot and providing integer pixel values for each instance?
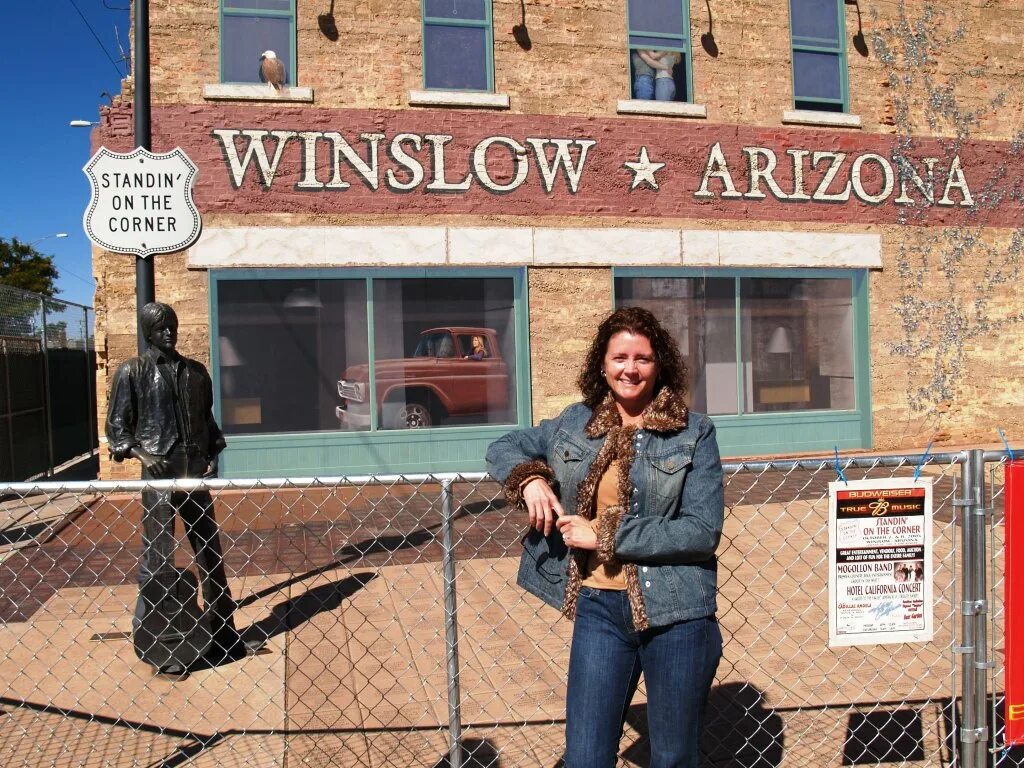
(61, 73)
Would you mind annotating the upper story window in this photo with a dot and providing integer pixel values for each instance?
(818, 31)
(659, 50)
(458, 45)
(248, 30)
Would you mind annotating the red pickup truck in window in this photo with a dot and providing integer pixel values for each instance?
(455, 374)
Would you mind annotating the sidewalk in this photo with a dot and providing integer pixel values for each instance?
(35, 519)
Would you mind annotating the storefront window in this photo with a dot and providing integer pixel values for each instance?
(797, 344)
(293, 354)
(701, 315)
(796, 338)
(444, 352)
(282, 346)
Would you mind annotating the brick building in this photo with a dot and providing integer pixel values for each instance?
(823, 200)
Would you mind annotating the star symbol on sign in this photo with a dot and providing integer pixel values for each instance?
(643, 170)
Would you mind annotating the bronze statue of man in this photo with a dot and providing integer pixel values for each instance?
(160, 411)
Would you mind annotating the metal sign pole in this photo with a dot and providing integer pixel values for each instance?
(145, 288)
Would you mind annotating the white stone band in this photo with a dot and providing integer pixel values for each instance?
(318, 247)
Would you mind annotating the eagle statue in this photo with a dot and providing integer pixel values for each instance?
(272, 70)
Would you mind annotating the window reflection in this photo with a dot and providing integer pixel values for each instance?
(797, 344)
(444, 352)
(796, 339)
(282, 346)
(700, 314)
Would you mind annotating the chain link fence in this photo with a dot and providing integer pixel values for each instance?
(47, 384)
(391, 631)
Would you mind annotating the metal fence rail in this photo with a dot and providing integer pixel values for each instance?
(393, 633)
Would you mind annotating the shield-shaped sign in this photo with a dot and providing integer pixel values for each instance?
(141, 202)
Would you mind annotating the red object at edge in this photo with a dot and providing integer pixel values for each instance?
(1014, 605)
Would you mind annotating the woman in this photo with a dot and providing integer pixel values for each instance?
(479, 350)
(626, 545)
(664, 80)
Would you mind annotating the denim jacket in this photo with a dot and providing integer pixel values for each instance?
(669, 527)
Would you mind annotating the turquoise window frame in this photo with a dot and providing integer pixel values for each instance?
(761, 433)
(336, 452)
(822, 45)
(293, 76)
(683, 43)
(487, 24)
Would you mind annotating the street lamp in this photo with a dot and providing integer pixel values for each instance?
(58, 235)
(81, 123)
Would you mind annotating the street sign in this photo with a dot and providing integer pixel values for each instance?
(141, 202)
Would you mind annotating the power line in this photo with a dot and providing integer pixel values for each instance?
(65, 271)
(96, 37)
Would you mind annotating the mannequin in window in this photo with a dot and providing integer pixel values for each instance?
(664, 82)
(479, 351)
(643, 74)
(652, 74)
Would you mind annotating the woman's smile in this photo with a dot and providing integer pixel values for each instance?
(630, 370)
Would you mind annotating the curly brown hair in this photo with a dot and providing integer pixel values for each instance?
(640, 322)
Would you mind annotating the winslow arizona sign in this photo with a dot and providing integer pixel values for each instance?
(141, 202)
(351, 163)
(503, 164)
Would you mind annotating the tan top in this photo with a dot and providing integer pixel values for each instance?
(597, 575)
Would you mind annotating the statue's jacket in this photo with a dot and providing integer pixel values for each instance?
(141, 408)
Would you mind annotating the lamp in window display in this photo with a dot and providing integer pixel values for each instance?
(160, 411)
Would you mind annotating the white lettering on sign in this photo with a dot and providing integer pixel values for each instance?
(141, 202)
(502, 164)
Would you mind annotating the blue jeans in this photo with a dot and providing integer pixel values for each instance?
(607, 657)
(643, 78)
(664, 89)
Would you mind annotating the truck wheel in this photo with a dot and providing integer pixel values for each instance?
(413, 416)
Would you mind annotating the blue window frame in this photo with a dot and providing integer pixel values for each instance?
(250, 27)
(661, 26)
(340, 335)
(818, 33)
(778, 358)
(458, 45)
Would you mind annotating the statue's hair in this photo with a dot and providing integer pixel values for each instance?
(154, 313)
(637, 321)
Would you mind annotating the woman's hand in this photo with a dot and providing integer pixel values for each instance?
(542, 504)
(578, 532)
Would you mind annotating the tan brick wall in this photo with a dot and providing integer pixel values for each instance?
(577, 64)
(566, 306)
(984, 394)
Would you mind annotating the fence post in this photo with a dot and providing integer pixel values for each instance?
(47, 394)
(451, 628)
(90, 382)
(973, 611)
(979, 518)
